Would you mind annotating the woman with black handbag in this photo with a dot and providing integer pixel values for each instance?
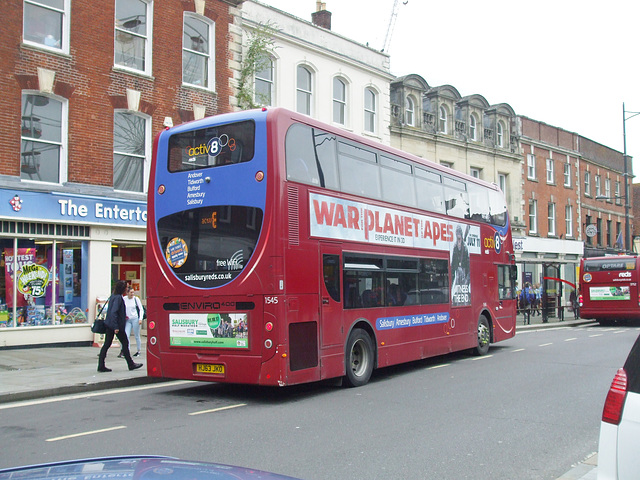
(115, 322)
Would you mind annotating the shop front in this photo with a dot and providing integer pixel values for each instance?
(59, 257)
(550, 267)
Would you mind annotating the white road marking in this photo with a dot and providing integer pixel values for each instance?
(218, 409)
(545, 344)
(439, 366)
(77, 396)
(82, 434)
(598, 335)
(570, 339)
(482, 357)
(519, 350)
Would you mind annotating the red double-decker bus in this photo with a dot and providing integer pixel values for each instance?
(609, 288)
(281, 250)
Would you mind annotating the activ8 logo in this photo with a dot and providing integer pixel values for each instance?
(498, 242)
(495, 242)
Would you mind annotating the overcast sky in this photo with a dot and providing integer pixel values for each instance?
(568, 63)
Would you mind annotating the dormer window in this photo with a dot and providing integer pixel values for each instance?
(409, 111)
(473, 130)
(442, 120)
(500, 135)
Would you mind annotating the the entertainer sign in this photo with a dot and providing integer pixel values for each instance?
(346, 220)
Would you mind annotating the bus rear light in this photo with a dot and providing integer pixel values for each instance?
(151, 325)
(268, 343)
(161, 189)
(259, 176)
(268, 326)
(153, 340)
(614, 403)
(580, 300)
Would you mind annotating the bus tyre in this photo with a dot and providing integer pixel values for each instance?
(358, 358)
(484, 336)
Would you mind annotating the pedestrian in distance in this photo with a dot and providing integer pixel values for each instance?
(573, 300)
(115, 322)
(526, 299)
(135, 315)
(536, 300)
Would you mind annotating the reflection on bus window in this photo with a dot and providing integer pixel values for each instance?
(397, 181)
(506, 288)
(478, 203)
(212, 146)
(311, 156)
(331, 273)
(394, 281)
(321, 159)
(359, 172)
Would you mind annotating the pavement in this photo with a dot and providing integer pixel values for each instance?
(34, 373)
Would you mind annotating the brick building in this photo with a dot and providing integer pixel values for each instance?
(551, 243)
(573, 205)
(85, 87)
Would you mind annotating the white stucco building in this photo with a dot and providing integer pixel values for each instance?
(321, 73)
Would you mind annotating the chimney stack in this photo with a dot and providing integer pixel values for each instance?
(321, 17)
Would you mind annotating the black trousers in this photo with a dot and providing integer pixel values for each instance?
(108, 340)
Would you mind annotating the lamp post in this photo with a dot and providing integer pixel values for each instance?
(627, 227)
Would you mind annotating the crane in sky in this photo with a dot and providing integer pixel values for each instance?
(392, 23)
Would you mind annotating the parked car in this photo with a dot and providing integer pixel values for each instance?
(136, 468)
(619, 445)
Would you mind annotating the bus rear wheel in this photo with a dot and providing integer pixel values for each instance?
(484, 336)
(359, 358)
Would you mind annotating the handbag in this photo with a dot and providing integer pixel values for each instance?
(98, 324)
(144, 311)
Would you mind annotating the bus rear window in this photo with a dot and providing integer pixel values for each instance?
(210, 246)
(212, 146)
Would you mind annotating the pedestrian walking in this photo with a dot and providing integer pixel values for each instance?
(573, 299)
(115, 322)
(526, 301)
(135, 315)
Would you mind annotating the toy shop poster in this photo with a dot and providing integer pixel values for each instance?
(32, 278)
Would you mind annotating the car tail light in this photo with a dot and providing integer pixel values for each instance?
(614, 403)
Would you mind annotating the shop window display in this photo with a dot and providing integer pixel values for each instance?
(29, 295)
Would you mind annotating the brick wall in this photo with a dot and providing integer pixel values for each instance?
(94, 88)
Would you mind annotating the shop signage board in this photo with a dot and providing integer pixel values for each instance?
(70, 208)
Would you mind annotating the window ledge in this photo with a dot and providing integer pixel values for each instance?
(211, 91)
(371, 134)
(131, 71)
(44, 49)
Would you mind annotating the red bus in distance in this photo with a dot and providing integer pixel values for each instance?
(609, 288)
